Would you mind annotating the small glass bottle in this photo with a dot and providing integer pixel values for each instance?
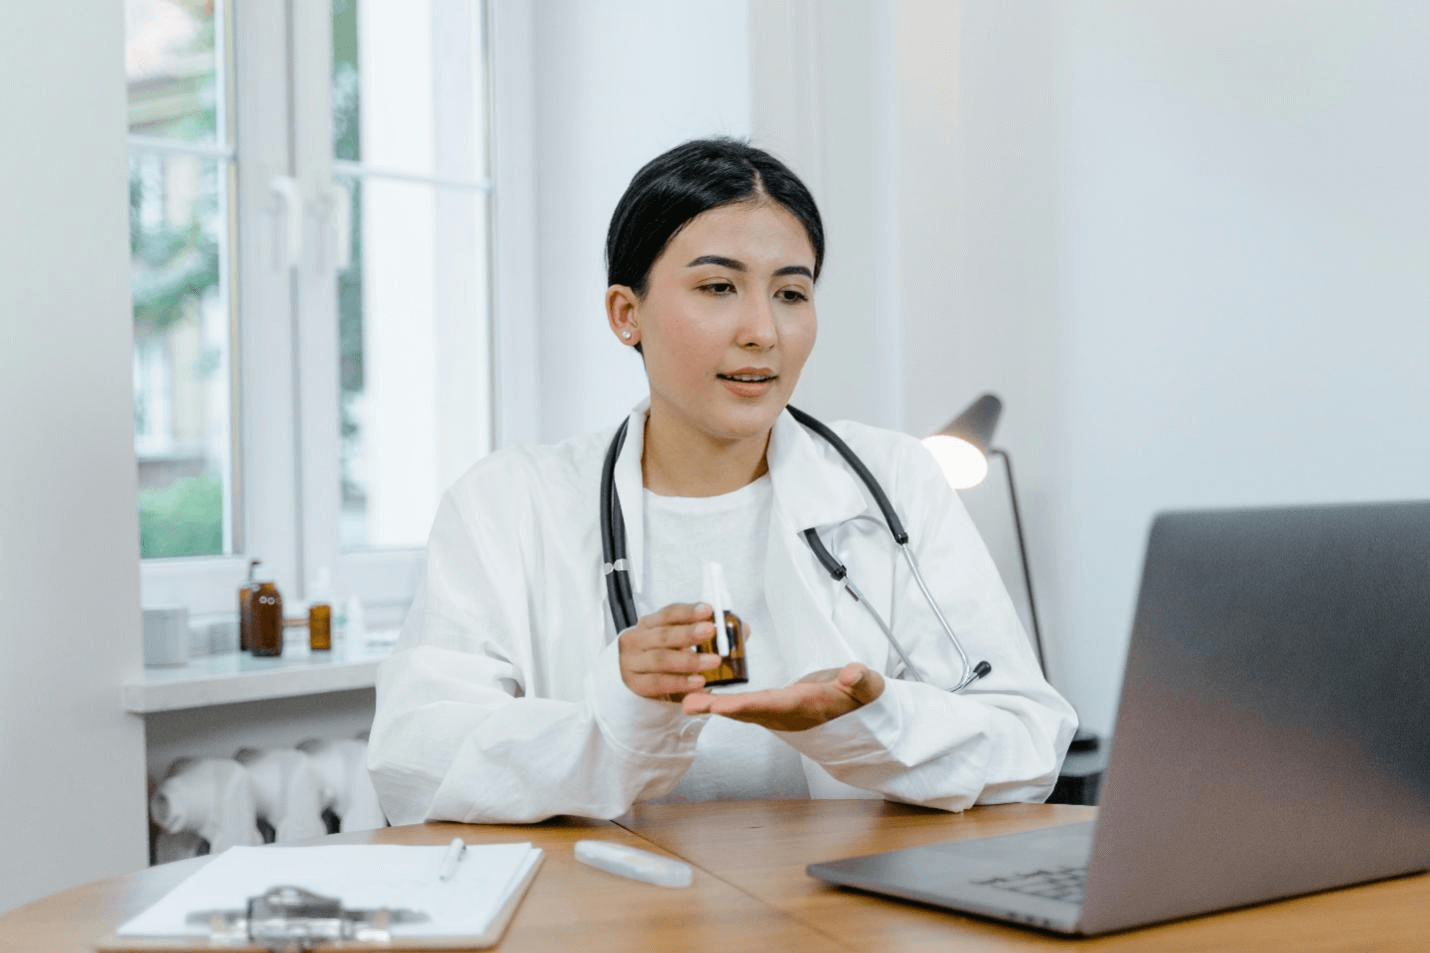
(245, 607)
(320, 614)
(728, 640)
(731, 670)
(266, 630)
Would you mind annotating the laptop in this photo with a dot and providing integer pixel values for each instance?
(1272, 738)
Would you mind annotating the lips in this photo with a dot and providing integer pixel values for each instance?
(749, 375)
(749, 382)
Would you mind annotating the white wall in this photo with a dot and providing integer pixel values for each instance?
(980, 193)
(1248, 278)
(615, 84)
(73, 798)
(1191, 251)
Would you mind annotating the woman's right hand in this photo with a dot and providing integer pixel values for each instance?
(656, 661)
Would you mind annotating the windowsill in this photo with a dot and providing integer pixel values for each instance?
(239, 677)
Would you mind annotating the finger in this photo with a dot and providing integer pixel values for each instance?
(682, 636)
(668, 662)
(663, 687)
(741, 705)
(645, 638)
(770, 702)
(679, 613)
(697, 703)
(863, 683)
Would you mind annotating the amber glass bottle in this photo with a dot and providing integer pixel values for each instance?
(320, 627)
(320, 612)
(266, 632)
(732, 666)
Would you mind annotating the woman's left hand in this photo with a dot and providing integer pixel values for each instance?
(818, 697)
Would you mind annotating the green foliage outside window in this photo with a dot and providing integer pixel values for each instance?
(182, 519)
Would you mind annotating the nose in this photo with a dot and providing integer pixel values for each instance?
(757, 329)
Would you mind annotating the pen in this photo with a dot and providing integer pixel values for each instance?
(455, 850)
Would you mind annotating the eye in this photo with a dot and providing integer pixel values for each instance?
(791, 295)
(718, 288)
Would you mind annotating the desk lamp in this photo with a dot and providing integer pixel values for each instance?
(962, 450)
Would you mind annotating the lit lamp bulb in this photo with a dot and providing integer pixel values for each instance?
(963, 465)
(962, 447)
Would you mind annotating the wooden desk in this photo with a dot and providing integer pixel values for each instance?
(765, 845)
(751, 891)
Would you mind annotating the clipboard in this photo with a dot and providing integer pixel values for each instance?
(294, 917)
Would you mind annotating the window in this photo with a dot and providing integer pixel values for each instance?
(410, 160)
(180, 193)
(310, 210)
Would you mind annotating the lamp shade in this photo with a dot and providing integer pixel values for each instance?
(961, 448)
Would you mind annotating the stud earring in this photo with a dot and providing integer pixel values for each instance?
(625, 335)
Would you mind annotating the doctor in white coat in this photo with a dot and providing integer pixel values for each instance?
(511, 696)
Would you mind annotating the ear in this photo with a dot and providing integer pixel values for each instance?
(621, 304)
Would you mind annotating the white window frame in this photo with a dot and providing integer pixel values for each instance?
(288, 407)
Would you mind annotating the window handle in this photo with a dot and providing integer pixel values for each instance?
(290, 213)
(340, 220)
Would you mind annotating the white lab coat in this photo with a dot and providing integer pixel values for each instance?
(503, 701)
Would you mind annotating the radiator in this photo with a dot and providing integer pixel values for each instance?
(206, 805)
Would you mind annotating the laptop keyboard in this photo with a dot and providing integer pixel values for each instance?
(1057, 883)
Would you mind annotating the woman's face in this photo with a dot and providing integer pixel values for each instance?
(727, 321)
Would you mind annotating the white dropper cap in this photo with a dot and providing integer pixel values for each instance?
(717, 597)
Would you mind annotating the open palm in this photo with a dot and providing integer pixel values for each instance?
(813, 700)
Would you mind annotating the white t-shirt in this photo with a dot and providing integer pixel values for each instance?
(732, 759)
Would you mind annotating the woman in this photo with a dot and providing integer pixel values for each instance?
(513, 698)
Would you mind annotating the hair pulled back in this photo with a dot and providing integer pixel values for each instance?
(690, 179)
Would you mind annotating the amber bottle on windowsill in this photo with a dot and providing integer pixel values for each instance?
(320, 627)
(266, 612)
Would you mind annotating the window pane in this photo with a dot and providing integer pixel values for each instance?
(415, 398)
(172, 69)
(409, 86)
(178, 245)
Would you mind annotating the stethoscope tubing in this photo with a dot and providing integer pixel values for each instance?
(614, 564)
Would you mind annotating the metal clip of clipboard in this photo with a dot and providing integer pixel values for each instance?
(289, 919)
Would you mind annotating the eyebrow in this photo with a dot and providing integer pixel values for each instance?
(735, 265)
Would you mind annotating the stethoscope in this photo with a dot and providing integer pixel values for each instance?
(616, 566)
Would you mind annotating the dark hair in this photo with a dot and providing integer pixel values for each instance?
(692, 178)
